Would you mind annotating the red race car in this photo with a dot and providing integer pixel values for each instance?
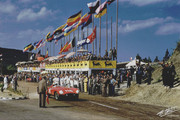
(60, 92)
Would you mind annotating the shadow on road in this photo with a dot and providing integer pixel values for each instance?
(59, 106)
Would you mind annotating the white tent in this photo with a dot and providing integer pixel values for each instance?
(133, 64)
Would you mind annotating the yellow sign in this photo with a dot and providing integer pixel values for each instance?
(83, 65)
(102, 64)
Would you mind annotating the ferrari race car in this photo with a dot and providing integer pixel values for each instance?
(60, 92)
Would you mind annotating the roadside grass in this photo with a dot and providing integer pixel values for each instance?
(18, 92)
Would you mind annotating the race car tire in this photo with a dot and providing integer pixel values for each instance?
(56, 95)
(76, 97)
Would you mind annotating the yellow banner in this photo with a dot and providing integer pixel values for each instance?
(83, 64)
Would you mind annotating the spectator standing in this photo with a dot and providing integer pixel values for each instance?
(90, 84)
(149, 70)
(114, 54)
(172, 73)
(129, 78)
(104, 87)
(42, 87)
(85, 83)
(5, 82)
(15, 83)
(110, 54)
(118, 79)
(139, 73)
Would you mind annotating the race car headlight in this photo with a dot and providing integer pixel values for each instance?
(61, 92)
(77, 91)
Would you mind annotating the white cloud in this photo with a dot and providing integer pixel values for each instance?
(7, 7)
(170, 28)
(25, 1)
(143, 2)
(30, 15)
(130, 26)
(34, 35)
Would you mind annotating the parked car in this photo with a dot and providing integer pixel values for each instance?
(60, 92)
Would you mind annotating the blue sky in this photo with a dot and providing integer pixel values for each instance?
(147, 27)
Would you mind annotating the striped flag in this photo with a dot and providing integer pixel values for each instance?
(74, 18)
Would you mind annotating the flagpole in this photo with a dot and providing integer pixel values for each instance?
(106, 31)
(100, 33)
(74, 49)
(111, 32)
(117, 27)
(53, 49)
(77, 40)
(92, 30)
(64, 40)
(50, 48)
(87, 36)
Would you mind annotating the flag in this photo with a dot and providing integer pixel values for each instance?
(47, 98)
(102, 12)
(70, 45)
(59, 30)
(58, 37)
(110, 1)
(82, 42)
(70, 29)
(87, 40)
(38, 54)
(31, 48)
(101, 7)
(89, 17)
(27, 47)
(74, 18)
(49, 37)
(92, 37)
(93, 6)
(42, 44)
(62, 48)
(82, 20)
(46, 53)
(37, 45)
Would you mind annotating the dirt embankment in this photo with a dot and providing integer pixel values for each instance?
(154, 94)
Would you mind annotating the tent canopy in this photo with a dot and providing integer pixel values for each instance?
(133, 64)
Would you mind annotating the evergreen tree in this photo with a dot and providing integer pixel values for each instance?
(167, 55)
(145, 60)
(138, 57)
(156, 59)
(149, 60)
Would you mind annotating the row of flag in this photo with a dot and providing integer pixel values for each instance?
(73, 22)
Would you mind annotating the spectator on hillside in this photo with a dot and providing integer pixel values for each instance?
(172, 73)
(149, 70)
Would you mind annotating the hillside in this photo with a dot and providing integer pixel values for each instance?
(175, 58)
(156, 93)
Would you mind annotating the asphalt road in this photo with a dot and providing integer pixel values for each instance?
(88, 107)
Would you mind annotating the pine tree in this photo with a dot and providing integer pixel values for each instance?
(156, 59)
(145, 60)
(149, 60)
(138, 57)
(167, 55)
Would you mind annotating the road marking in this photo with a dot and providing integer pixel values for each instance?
(104, 105)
